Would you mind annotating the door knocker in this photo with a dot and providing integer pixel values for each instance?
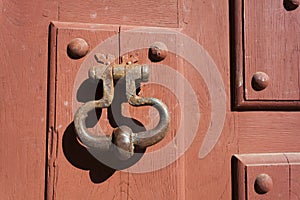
(122, 137)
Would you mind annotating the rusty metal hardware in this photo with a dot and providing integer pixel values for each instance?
(123, 138)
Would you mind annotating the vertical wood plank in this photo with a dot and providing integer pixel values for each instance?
(165, 182)
(76, 174)
(23, 89)
(210, 178)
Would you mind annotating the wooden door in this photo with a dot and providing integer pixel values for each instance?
(229, 80)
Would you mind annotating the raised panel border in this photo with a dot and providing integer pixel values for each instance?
(237, 63)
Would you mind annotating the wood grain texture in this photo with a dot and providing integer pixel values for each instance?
(268, 132)
(294, 174)
(283, 168)
(165, 182)
(24, 59)
(249, 166)
(280, 177)
(237, 178)
(209, 177)
(271, 46)
(199, 175)
(74, 172)
(294, 181)
(177, 181)
(271, 98)
(128, 12)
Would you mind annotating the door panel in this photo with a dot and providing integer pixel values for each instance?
(271, 46)
(68, 158)
(264, 55)
(265, 176)
(166, 173)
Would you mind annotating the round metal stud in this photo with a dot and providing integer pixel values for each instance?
(77, 48)
(158, 51)
(291, 4)
(260, 80)
(263, 184)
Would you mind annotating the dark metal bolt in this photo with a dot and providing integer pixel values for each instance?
(263, 184)
(77, 48)
(260, 80)
(158, 51)
(291, 4)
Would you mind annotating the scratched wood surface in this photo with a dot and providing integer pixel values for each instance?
(23, 104)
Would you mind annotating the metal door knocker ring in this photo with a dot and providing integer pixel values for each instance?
(123, 137)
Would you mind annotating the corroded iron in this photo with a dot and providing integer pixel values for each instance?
(123, 138)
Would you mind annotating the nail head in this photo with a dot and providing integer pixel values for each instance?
(263, 184)
(77, 48)
(158, 51)
(260, 80)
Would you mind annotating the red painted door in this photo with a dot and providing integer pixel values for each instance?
(229, 79)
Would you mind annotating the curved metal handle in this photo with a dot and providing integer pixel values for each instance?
(122, 136)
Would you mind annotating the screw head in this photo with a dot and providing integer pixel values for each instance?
(158, 51)
(263, 184)
(291, 4)
(260, 80)
(77, 48)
